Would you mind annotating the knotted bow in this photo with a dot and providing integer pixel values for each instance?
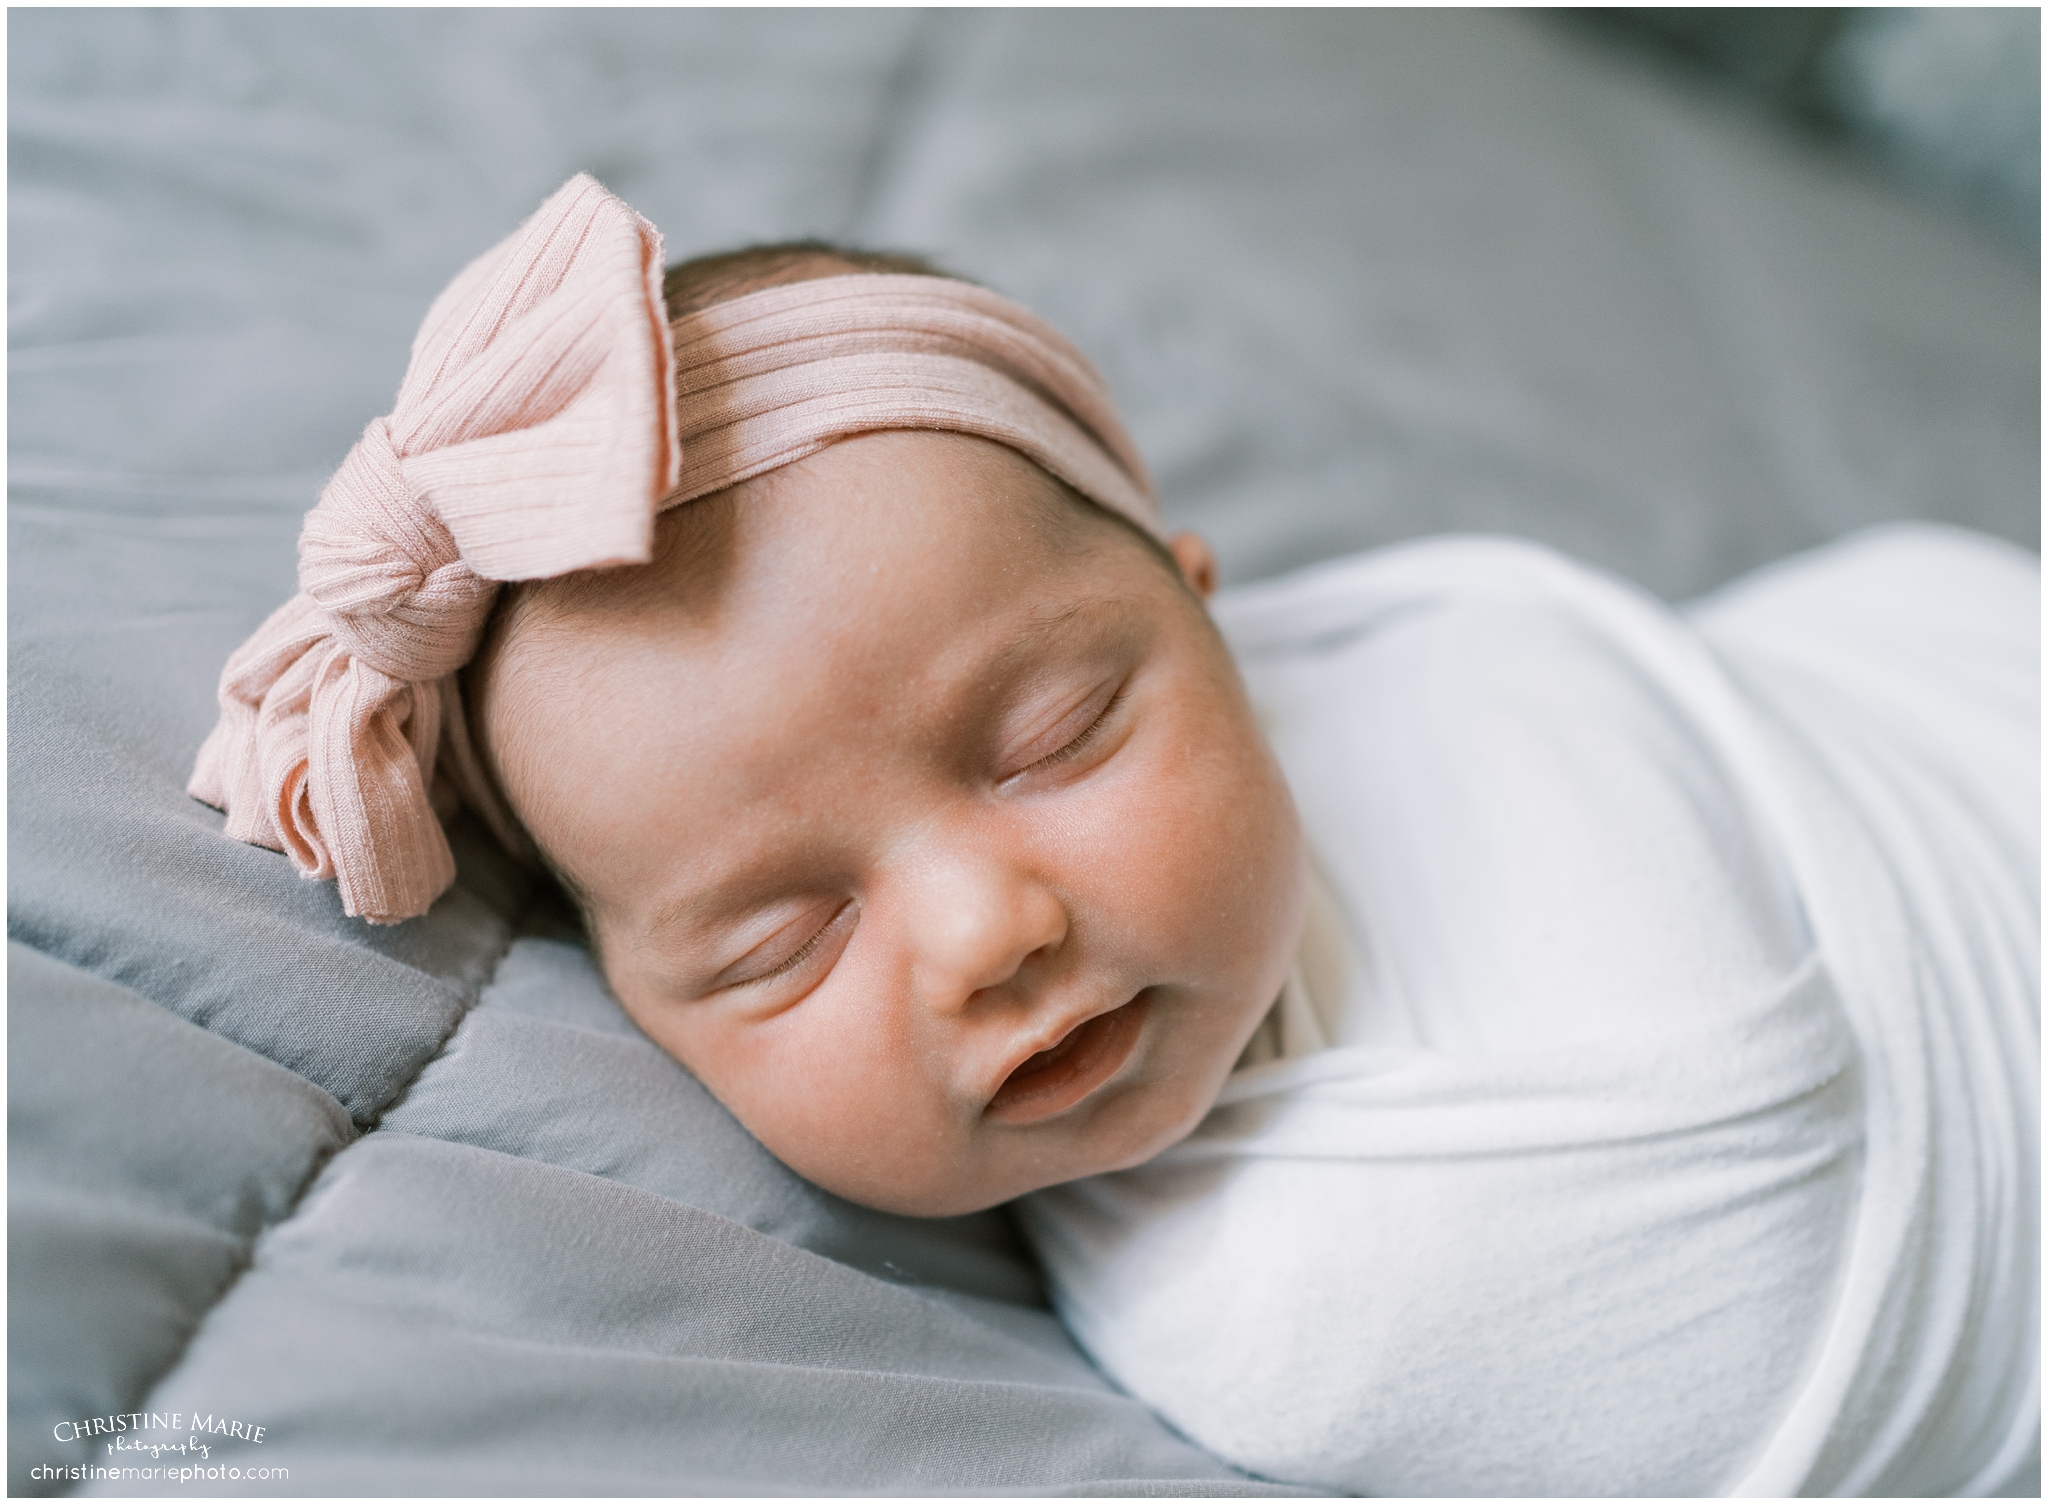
(533, 434)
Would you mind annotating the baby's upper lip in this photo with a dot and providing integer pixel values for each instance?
(1046, 1039)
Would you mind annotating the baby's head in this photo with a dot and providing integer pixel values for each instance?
(912, 802)
(909, 794)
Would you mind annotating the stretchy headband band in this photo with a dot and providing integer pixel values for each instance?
(548, 414)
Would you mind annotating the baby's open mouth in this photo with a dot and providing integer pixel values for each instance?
(1058, 1077)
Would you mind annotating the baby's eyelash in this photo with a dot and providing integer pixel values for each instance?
(1075, 746)
(799, 956)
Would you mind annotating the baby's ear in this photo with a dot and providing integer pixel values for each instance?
(1197, 562)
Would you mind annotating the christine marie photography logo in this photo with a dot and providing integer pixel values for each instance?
(122, 1442)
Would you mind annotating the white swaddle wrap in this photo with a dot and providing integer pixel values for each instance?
(1655, 1107)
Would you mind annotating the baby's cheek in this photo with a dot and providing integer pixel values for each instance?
(1205, 822)
(833, 1086)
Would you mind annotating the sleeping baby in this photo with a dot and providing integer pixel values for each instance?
(1455, 1024)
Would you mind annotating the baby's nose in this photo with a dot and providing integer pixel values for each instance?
(976, 930)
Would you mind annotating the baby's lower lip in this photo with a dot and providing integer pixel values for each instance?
(1054, 1080)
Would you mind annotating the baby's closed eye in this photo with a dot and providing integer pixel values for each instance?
(1079, 730)
(795, 941)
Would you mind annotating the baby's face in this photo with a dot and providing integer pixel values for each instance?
(924, 819)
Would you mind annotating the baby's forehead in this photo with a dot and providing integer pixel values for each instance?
(885, 548)
(701, 549)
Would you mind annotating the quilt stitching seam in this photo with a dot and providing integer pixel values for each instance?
(249, 1253)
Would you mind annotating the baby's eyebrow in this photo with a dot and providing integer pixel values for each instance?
(1044, 624)
(723, 899)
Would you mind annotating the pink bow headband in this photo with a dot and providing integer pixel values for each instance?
(549, 412)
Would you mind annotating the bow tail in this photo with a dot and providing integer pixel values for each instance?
(280, 750)
(363, 805)
(262, 687)
(224, 774)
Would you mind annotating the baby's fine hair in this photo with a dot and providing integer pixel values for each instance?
(704, 282)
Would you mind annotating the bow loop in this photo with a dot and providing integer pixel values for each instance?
(546, 434)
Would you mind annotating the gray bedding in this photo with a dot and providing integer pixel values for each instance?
(420, 1202)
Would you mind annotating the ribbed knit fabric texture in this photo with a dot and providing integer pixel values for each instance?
(548, 414)
(765, 379)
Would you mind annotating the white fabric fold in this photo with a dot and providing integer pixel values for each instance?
(1678, 1128)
